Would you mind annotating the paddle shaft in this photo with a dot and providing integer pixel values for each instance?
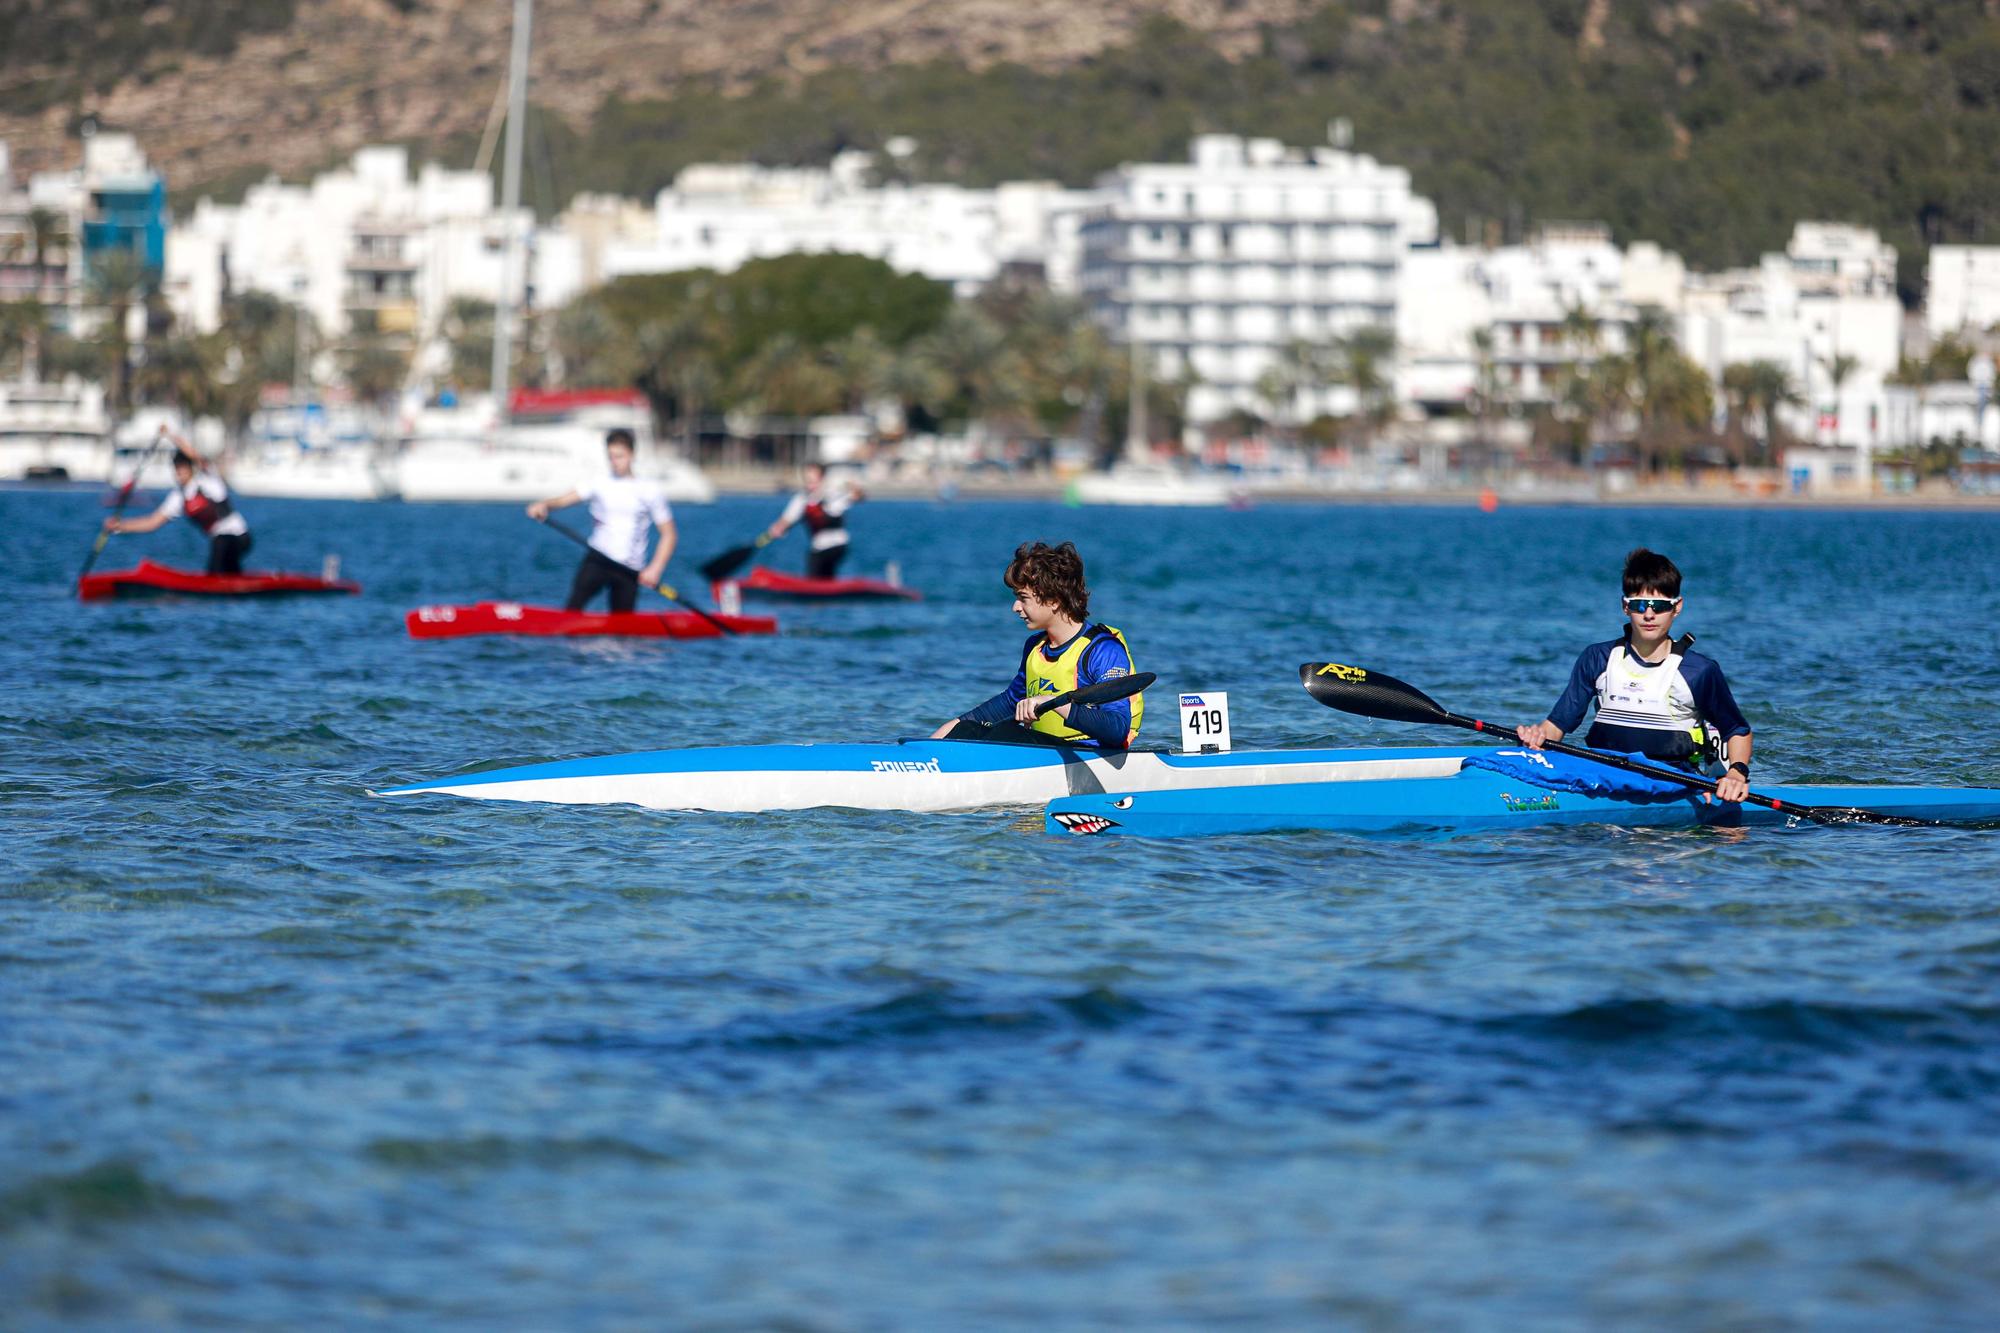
(124, 498)
(1371, 694)
(628, 572)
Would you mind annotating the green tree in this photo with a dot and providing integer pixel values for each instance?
(118, 279)
(374, 368)
(1757, 390)
(24, 326)
(48, 233)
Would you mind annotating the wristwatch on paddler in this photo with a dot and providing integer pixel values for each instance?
(1740, 766)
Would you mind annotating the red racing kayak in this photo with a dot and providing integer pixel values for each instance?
(762, 582)
(154, 580)
(458, 622)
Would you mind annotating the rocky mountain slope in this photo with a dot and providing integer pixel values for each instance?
(221, 85)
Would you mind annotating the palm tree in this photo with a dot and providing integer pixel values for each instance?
(374, 368)
(1365, 357)
(47, 230)
(468, 330)
(1839, 368)
(968, 351)
(676, 367)
(117, 279)
(1301, 367)
(23, 326)
(1488, 393)
(1758, 389)
(588, 342)
(858, 361)
(176, 371)
(789, 377)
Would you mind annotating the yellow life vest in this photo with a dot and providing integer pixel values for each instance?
(1045, 677)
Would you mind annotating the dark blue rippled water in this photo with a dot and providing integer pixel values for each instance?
(275, 1054)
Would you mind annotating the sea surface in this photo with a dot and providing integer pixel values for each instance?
(277, 1054)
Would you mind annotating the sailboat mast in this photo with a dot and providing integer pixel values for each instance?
(510, 203)
(1137, 444)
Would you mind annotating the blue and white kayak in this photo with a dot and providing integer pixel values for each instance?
(1470, 801)
(911, 775)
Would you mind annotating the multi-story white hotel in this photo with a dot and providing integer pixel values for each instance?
(722, 215)
(1826, 310)
(1211, 266)
(1528, 315)
(366, 248)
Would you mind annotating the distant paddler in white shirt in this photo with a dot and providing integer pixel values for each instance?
(822, 507)
(201, 496)
(622, 510)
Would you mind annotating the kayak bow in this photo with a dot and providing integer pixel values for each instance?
(149, 579)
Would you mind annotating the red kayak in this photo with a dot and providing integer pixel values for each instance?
(762, 582)
(457, 622)
(154, 580)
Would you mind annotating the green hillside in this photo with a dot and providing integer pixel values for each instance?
(1707, 125)
(1711, 138)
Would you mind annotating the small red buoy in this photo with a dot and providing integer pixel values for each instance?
(1488, 500)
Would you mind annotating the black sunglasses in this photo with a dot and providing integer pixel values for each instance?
(1638, 605)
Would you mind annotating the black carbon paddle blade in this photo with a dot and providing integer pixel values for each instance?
(1103, 692)
(1368, 693)
(731, 560)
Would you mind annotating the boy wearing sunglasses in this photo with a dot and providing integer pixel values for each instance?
(1654, 696)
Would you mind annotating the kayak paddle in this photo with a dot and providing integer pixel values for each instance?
(1103, 692)
(665, 590)
(1372, 694)
(124, 497)
(733, 559)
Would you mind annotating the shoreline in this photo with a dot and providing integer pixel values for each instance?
(776, 483)
(766, 482)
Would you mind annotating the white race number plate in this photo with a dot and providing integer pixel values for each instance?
(1204, 722)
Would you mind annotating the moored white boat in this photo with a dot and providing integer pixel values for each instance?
(1152, 484)
(54, 432)
(551, 442)
(311, 451)
(916, 775)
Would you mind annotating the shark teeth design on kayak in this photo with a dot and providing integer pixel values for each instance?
(1084, 825)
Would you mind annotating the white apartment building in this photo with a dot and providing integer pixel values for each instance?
(366, 247)
(112, 199)
(1962, 290)
(722, 215)
(1213, 265)
(1560, 301)
(1830, 295)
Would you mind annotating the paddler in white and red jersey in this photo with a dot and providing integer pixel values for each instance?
(823, 509)
(200, 496)
(1066, 651)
